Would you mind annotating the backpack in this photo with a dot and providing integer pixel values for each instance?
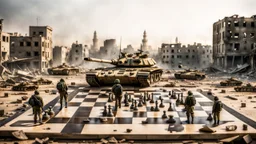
(218, 106)
(33, 101)
(118, 90)
(191, 101)
(60, 86)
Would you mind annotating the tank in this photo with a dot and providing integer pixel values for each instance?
(189, 74)
(41, 81)
(136, 69)
(63, 70)
(247, 88)
(25, 86)
(231, 82)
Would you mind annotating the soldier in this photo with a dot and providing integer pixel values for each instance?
(37, 103)
(117, 89)
(62, 88)
(216, 109)
(190, 102)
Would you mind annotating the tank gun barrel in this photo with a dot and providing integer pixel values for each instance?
(98, 60)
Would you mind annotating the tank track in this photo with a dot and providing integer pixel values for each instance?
(240, 89)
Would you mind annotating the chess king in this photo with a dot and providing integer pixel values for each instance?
(117, 90)
(190, 102)
(62, 88)
(36, 101)
(216, 109)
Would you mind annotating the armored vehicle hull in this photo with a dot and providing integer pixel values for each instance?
(190, 75)
(63, 70)
(42, 81)
(25, 86)
(231, 82)
(247, 88)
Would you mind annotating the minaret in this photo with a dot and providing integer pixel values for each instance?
(176, 40)
(95, 42)
(144, 46)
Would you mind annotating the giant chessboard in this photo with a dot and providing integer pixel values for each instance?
(83, 117)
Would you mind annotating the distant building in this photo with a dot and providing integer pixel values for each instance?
(144, 45)
(234, 40)
(95, 46)
(195, 56)
(4, 44)
(37, 46)
(77, 53)
(128, 49)
(110, 49)
(60, 54)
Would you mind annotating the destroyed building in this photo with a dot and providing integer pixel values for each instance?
(234, 42)
(196, 56)
(128, 49)
(109, 50)
(60, 55)
(4, 44)
(77, 53)
(33, 51)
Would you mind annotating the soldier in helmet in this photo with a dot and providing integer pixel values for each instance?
(190, 102)
(117, 90)
(216, 109)
(62, 88)
(37, 103)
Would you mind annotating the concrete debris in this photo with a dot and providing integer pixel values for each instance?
(243, 105)
(54, 92)
(207, 129)
(6, 94)
(42, 141)
(122, 140)
(239, 68)
(20, 135)
(188, 142)
(112, 140)
(223, 91)
(247, 139)
(231, 128)
(21, 93)
(1, 112)
(230, 139)
(245, 127)
(73, 83)
(47, 91)
(250, 97)
(104, 141)
(128, 130)
(232, 98)
(24, 98)
(25, 105)
(190, 86)
(19, 101)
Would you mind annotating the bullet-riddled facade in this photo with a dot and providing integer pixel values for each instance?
(4, 44)
(233, 41)
(60, 55)
(195, 56)
(37, 46)
(77, 53)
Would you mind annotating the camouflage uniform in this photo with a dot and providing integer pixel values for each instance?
(189, 108)
(63, 93)
(117, 96)
(37, 109)
(216, 109)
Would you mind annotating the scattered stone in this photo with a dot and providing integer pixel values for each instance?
(223, 91)
(6, 94)
(104, 141)
(86, 120)
(112, 140)
(122, 140)
(46, 91)
(232, 98)
(131, 141)
(1, 103)
(231, 128)
(19, 101)
(19, 135)
(54, 92)
(243, 105)
(42, 141)
(188, 142)
(24, 98)
(207, 129)
(253, 101)
(230, 139)
(128, 130)
(21, 93)
(247, 139)
(73, 83)
(1, 112)
(250, 97)
(103, 119)
(245, 127)
(144, 122)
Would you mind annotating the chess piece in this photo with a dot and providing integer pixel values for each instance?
(130, 98)
(164, 115)
(109, 98)
(148, 97)
(125, 97)
(161, 104)
(145, 100)
(50, 111)
(132, 106)
(140, 102)
(113, 98)
(135, 106)
(171, 120)
(156, 108)
(170, 93)
(105, 112)
(170, 107)
(110, 113)
(178, 101)
(45, 116)
(210, 117)
(152, 99)
(126, 103)
(152, 108)
(160, 97)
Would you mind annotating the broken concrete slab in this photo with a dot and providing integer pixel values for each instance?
(207, 129)
(1, 112)
(112, 140)
(231, 128)
(230, 139)
(20, 135)
(24, 97)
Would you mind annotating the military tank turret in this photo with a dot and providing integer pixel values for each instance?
(25, 86)
(231, 82)
(63, 70)
(247, 88)
(189, 74)
(131, 69)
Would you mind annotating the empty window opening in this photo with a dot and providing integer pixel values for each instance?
(28, 54)
(21, 44)
(4, 38)
(236, 46)
(236, 35)
(244, 24)
(252, 24)
(229, 23)
(252, 46)
(36, 44)
(188, 50)
(178, 50)
(172, 56)
(252, 35)
(41, 33)
(236, 23)
(187, 56)
(76, 51)
(36, 53)
(172, 46)
(28, 43)
(172, 51)
(163, 56)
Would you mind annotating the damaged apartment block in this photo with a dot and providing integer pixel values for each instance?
(234, 42)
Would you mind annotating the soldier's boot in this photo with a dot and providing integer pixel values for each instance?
(60, 107)
(214, 118)
(66, 104)
(192, 120)
(188, 119)
(35, 121)
(218, 122)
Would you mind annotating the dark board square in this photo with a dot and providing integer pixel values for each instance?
(78, 120)
(123, 121)
(161, 120)
(98, 121)
(23, 123)
(84, 90)
(100, 104)
(199, 108)
(90, 100)
(58, 120)
(93, 93)
(206, 103)
(139, 114)
(104, 95)
(81, 96)
(73, 128)
(83, 112)
(74, 103)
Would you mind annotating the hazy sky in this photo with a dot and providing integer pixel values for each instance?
(71, 20)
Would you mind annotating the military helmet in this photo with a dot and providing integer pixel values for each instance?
(117, 81)
(190, 93)
(62, 80)
(36, 92)
(216, 98)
